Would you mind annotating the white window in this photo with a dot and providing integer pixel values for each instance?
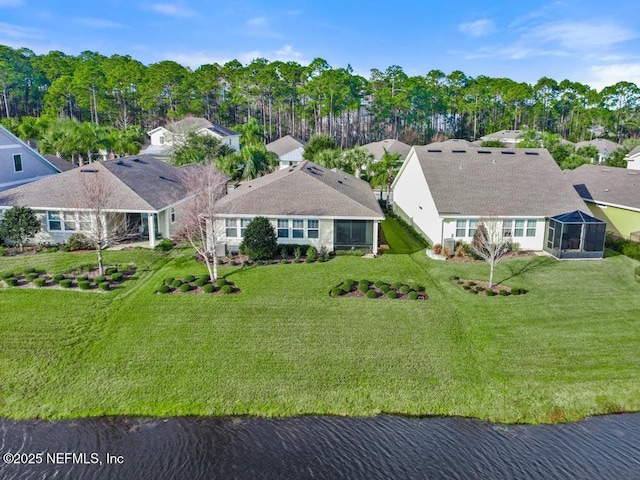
(231, 227)
(461, 227)
(531, 227)
(473, 226)
(54, 221)
(172, 214)
(69, 221)
(297, 230)
(84, 222)
(161, 139)
(507, 226)
(283, 228)
(313, 228)
(243, 225)
(17, 162)
(519, 228)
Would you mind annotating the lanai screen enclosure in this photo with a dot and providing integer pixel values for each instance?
(575, 235)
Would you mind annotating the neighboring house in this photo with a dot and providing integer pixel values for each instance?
(163, 138)
(612, 194)
(306, 204)
(145, 191)
(633, 159)
(445, 193)
(508, 137)
(454, 143)
(605, 147)
(377, 149)
(60, 163)
(19, 163)
(288, 149)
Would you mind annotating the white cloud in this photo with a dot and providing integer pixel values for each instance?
(479, 28)
(288, 53)
(581, 36)
(172, 9)
(11, 3)
(18, 32)
(195, 59)
(257, 22)
(98, 23)
(605, 75)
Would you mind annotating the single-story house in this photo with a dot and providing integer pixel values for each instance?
(163, 138)
(306, 204)
(605, 148)
(508, 137)
(612, 194)
(140, 192)
(19, 163)
(454, 143)
(633, 159)
(288, 149)
(446, 192)
(390, 145)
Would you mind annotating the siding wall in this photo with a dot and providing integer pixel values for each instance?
(619, 221)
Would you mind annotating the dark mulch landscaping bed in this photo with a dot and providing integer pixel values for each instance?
(478, 287)
(191, 284)
(379, 289)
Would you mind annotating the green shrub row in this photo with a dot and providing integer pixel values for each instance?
(366, 287)
(628, 248)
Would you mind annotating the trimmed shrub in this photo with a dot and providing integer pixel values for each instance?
(29, 270)
(165, 245)
(80, 278)
(347, 285)
(327, 257)
(226, 289)
(489, 293)
(84, 284)
(296, 260)
(479, 288)
(66, 283)
(205, 277)
(288, 249)
(117, 277)
(379, 283)
(100, 279)
(185, 287)
(76, 241)
(312, 252)
(40, 281)
(392, 294)
(259, 241)
(110, 270)
(233, 263)
(104, 286)
(164, 289)
(363, 286)
(348, 253)
(418, 288)
(221, 282)
(309, 259)
(284, 261)
(460, 282)
(504, 293)
(57, 278)
(200, 282)
(404, 289)
(30, 277)
(455, 277)
(11, 281)
(168, 281)
(5, 275)
(364, 280)
(189, 278)
(412, 296)
(475, 292)
(208, 288)
(397, 285)
(336, 292)
(385, 288)
(371, 293)
(466, 287)
(472, 284)
(176, 283)
(320, 260)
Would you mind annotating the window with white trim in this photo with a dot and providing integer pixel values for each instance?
(518, 230)
(69, 221)
(531, 227)
(231, 230)
(283, 228)
(507, 228)
(297, 229)
(172, 214)
(54, 222)
(473, 226)
(17, 162)
(461, 227)
(313, 228)
(84, 222)
(244, 222)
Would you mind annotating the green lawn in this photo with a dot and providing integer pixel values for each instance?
(567, 349)
(398, 238)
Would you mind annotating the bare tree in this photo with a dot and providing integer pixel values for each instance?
(197, 225)
(490, 243)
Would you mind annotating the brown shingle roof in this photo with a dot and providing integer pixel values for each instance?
(618, 186)
(306, 189)
(497, 181)
(284, 145)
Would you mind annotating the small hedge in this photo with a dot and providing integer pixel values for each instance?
(363, 287)
(5, 275)
(84, 284)
(81, 278)
(104, 286)
(100, 279)
(404, 289)
(29, 270)
(226, 289)
(185, 287)
(309, 259)
(169, 281)
(371, 294)
(221, 282)
(412, 295)
(11, 281)
(489, 293)
(349, 253)
(176, 283)
(504, 293)
(392, 294)
(40, 281)
(336, 292)
(111, 270)
(200, 282)
(30, 277)
(208, 288)
(189, 278)
(117, 277)
(164, 289)
(385, 288)
(66, 283)
(57, 278)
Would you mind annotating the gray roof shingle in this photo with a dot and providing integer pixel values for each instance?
(284, 145)
(479, 181)
(618, 186)
(392, 146)
(306, 189)
(603, 145)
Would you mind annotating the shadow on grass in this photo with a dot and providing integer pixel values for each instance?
(516, 270)
(611, 253)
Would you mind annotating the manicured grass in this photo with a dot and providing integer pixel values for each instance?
(283, 346)
(398, 238)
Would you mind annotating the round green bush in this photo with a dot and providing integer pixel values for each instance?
(168, 281)
(11, 281)
(185, 287)
(259, 241)
(320, 259)
(30, 277)
(397, 285)
(205, 277)
(117, 277)
(5, 275)
(66, 283)
(515, 291)
(284, 261)
(100, 279)
(479, 288)
(164, 289)
(189, 278)
(418, 288)
(221, 282)
(208, 288)
(385, 288)
(176, 283)
(104, 286)
(504, 293)
(466, 287)
(379, 283)
(392, 294)
(363, 286)
(57, 278)
(336, 292)
(404, 289)
(84, 284)
(309, 259)
(40, 281)
(111, 270)
(412, 295)
(489, 293)
(371, 293)
(475, 292)
(347, 285)
(81, 278)
(200, 282)
(455, 277)
(364, 280)
(29, 270)
(296, 260)
(472, 284)
(226, 289)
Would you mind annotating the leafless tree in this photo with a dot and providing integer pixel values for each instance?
(197, 224)
(490, 244)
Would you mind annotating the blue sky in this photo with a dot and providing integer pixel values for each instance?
(597, 43)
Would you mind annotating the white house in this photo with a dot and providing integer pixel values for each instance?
(306, 204)
(605, 147)
(163, 138)
(633, 159)
(508, 137)
(446, 192)
(19, 163)
(288, 149)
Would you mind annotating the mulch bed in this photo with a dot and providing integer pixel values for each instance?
(24, 282)
(354, 291)
(478, 287)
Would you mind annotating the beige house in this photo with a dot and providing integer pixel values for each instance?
(288, 149)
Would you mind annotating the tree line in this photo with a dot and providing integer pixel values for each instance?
(122, 93)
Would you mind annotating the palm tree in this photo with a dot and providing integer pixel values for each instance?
(384, 172)
(330, 158)
(256, 161)
(356, 159)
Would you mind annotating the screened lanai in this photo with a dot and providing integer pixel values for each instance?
(575, 235)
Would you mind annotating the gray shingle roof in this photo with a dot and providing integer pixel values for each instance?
(503, 135)
(284, 145)
(196, 123)
(602, 144)
(148, 184)
(619, 186)
(60, 163)
(392, 146)
(305, 189)
(497, 181)
(633, 152)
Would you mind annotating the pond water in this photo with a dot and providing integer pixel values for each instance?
(381, 447)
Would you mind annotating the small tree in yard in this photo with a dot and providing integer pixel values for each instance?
(204, 185)
(489, 243)
(18, 224)
(259, 242)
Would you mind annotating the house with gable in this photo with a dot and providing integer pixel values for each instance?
(163, 138)
(390, 145)
(306, 204)
(633, 159)
(142, 192)
(508, 137)
(288, 149)
(605, 148)
(446, 192)
(19, 163)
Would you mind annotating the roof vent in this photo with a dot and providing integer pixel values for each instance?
(484, 151)
(88, 170)
(340, 182)
(458, 151)
(508, 152)
(606, 189)
(137, 160)
(119, 162)
(531, 153)
(434, 150)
